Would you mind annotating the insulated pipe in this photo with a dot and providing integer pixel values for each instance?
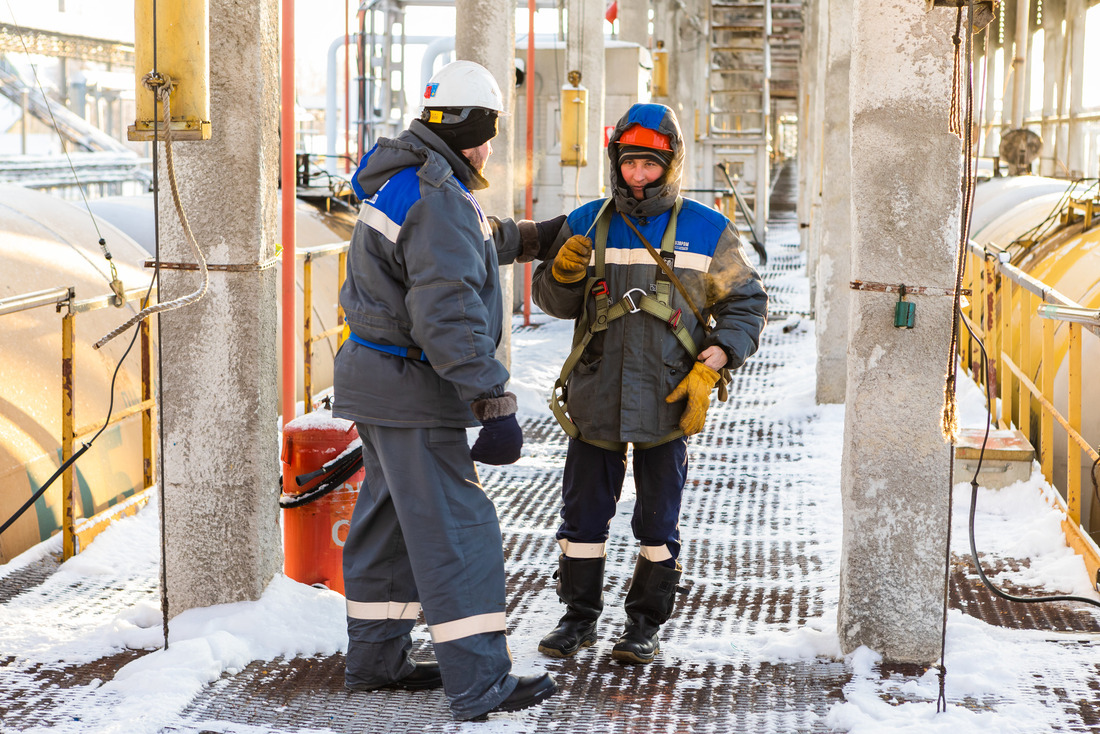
(435, 49)
(287, 172)
(331, 113)
(1019, 82)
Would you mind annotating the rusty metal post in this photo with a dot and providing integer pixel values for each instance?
(1025, 363)
(147, 462)
(1073, 450)
(992, 332)
(1007, 343)
(68, 524)
(1046, 389)
(307, 332)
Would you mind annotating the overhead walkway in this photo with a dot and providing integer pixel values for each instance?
(761, 525)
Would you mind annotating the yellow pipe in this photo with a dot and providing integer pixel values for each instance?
(182, 53)
(989, 301)
(68, 526)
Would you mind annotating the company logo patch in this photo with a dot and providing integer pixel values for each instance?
(682, 246)
(430, 90)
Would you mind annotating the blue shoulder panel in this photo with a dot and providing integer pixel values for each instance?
(355, 179)
(398, 195)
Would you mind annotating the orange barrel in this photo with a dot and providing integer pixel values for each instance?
(314, 532)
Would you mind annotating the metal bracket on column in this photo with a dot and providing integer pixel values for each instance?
(984, 10)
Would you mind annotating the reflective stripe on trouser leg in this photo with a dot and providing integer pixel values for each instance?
(455, 551)
(591, 485)
(659, 476)
(573, 549)
(378, 584)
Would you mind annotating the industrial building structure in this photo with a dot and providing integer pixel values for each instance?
(941, 160)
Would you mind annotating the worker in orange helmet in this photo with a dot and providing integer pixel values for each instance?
(664, 302)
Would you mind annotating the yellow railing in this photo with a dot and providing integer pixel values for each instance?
(1028, 329)
(308, 255)
(75, 535)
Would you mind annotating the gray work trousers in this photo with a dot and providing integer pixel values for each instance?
(423, 535)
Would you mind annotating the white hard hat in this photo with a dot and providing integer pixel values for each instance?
(463, 84)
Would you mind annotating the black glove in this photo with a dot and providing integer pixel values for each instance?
(500, 438)
(548, 230)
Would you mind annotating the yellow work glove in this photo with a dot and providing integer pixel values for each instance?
(571, 262)
(696, 388)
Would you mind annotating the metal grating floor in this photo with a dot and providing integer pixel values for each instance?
(757, 558)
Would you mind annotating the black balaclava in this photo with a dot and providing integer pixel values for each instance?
(470, 131)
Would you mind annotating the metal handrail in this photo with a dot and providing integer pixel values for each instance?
(1023, 377)
(307, 255)
(64, 300)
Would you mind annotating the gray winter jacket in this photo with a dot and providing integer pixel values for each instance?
(617, 390)
(422, 273)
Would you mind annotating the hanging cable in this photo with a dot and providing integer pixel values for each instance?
(963, 68)
(161, 85)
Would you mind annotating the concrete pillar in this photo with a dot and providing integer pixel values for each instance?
(634, 22)
(221, 471)
(1075, 155)
(1054, 12)
(1019, 63)
(906, 206)
(818, 48)
(807, 97)
(686, 41)
(584, 52)
(993, 85)
(834, 267)
(478, 20)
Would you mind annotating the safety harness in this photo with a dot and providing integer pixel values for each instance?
(633, 301)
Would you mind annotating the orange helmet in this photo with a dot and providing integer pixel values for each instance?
(644, 137)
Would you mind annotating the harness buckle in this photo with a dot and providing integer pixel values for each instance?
(599, 288)
(634, 308)
(674, 319)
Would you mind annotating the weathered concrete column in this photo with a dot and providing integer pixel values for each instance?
(478, 20)
(683, 29)
(584, 52)
(834, 266)
(815, 43)
(1054, 12)
(906, 203)
(221, 469)
(634, 22)
(807, 97)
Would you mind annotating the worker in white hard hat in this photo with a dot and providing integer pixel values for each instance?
(423, 302)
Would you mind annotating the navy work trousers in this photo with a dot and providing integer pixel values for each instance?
(424, 535)
(593, 484)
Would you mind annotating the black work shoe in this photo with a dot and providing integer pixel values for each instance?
(635, 647)
(530, 690)
(568, 637)
(422, 677)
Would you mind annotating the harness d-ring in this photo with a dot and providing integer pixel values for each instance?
(634, 307)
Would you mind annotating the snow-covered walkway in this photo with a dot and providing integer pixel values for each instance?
(751, 648)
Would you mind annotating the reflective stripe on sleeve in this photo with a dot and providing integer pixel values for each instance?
(581, 550)
(376, 220)
(467, 627)
(656, 553)
(383, 609)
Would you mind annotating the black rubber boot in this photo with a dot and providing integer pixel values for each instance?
(580, 587)
(648, 606)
